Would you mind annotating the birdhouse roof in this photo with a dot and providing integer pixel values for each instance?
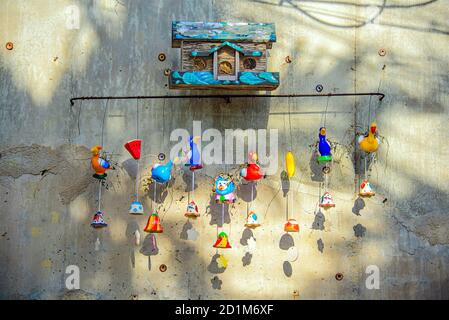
(222, 31)
(252, 53)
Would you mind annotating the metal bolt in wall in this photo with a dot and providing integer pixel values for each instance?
(167, 72)
(161, 57)
(9, 46)
(339, 276)
(382, 52)
(162, 268)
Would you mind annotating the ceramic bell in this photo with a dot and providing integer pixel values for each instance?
(98, 221)
(136, 208)
(366, 190)
(326, 201)
(291, 226)
(224, 188)
(251, 220)
(222, 241)
(153, 224)
(192, 210)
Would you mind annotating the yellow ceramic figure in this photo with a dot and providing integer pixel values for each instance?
(290, 164)
(369, 143)
(222, 261)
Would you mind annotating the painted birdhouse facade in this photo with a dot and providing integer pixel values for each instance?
(223, 55)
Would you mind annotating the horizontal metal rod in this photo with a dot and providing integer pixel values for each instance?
(227, 97)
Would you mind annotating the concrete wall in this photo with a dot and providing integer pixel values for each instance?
(48, 196)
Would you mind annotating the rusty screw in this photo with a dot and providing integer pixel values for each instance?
(288, 59)
(161, 56)
(167, 72)
(295, 294)
(339, 276)
(162, 268)
(319, 88)
(9, 46)
(382, 52)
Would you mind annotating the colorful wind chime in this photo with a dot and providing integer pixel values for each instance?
(100, 165)
(325, 156)
(160, 174)
(224, 189)
(134, 148)
(369, 143)
(194, 164)
(291, 225)
(252, 173)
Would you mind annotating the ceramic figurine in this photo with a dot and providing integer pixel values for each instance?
(224, 189)
(290, 164)
(251, 221)
(192, 210)
(252, 172)
(98, 221)
(99, 164)
(366, 190)
(222, 241)
(324, 147)
(326, 201)
(161, 172)
(222, 262)
(194, 154)
(291, 226)
(369, 142)
(153, 224)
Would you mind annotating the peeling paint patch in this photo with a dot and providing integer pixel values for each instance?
(70, 163)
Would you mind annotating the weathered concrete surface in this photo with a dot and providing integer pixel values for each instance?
(48, 197)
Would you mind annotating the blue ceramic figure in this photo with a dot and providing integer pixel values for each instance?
(161, 172)
(194, 154)
(224, 189)
(324, 147)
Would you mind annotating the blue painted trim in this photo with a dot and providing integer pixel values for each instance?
(251, 53)
(206, 78)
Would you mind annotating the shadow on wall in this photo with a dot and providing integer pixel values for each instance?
(338, 14)
(38, 63)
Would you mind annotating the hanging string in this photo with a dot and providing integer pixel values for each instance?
(372, 156)
(154, 197)
(99, 195)
(290, 123)
(138, 162)
(325, 113)
(222, 215)
(193, 185)
(102, 142)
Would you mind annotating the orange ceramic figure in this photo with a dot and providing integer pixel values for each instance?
(99, 164)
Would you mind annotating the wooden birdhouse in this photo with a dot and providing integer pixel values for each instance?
(223, 55)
